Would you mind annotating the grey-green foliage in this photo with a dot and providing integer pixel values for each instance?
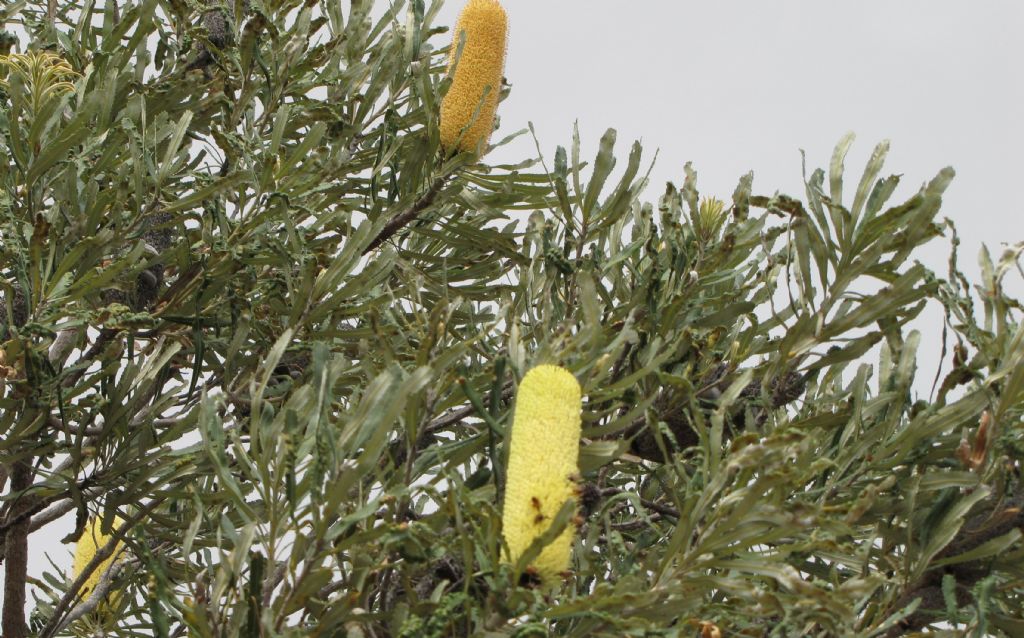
(311, 431)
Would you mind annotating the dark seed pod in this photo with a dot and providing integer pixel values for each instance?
(158, 233)
(147, 287)
(215, 21)
(932, 602)
(293, 364)
(19, 306)
(158, 238)
(680, 436)
(781, 391)
(447, 568)
(589, 498)
(19, 310)
(424, 581)
(674, 413)
(218, 22)
(113, 296)
(7, 41)
(982, 528)
(990, 523)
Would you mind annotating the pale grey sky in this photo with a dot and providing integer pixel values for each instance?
(743, 85)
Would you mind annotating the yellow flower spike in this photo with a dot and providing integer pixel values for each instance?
(467, 111)
(710, 216)
(91, 541)
(543, 459)
(44, 74)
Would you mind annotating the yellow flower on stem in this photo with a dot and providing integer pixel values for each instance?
(543, 461)
(468, 109)
(91, 541)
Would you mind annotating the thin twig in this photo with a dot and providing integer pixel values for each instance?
(651, 505)
(101, 342)
(57, 510)
(96, 597)
(39, 503)
(86, 430)
(15, 519)
(453, 417)
(401, 220)
(632, 526)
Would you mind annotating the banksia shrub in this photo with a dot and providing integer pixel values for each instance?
(543, 455)
(467, 111)
(253, 305)
(91, 541)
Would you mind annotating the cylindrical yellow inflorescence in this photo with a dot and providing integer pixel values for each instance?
(479, 71)
(542, 463)
(91, 541)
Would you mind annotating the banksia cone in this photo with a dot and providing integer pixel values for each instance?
(479, 70)
(91, 541)
(543, 455)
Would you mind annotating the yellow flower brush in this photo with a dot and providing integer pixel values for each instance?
(543, 461)
(467, 111)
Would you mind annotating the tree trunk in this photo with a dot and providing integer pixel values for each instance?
(16, 547)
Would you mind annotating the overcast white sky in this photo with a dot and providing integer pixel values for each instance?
(743, 85)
